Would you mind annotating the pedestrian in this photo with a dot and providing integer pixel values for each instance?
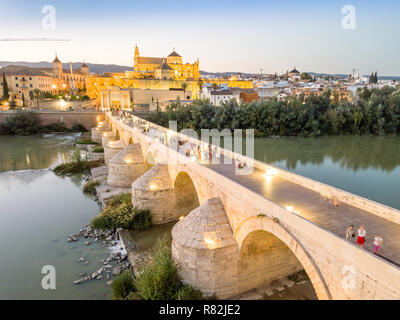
(361, 236)
(350, 232)
(378, 241)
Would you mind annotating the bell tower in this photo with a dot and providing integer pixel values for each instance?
(135, 60)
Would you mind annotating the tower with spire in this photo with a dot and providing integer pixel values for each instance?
(57, 67)
(135, 60)
(85, 68)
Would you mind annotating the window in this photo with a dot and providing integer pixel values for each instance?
(16, 85)
(16, 78)
(31, 86)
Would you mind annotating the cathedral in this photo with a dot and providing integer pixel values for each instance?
(170, 68)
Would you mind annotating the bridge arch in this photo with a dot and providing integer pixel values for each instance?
(185, 193)
(257, 235)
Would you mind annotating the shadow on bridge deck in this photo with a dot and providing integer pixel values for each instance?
(321, 211)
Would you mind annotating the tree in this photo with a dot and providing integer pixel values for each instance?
(184, 87)
(305, 76)
(214, 86)
(200, 84)
(36, 93)
(23, 100)
(6, 94)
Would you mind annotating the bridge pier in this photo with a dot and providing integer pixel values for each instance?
(204, 247)
(97, 132)
(126, 166)
(107, 137)
(154, 191)
(111, 149)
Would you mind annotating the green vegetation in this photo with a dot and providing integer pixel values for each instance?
(373, 78)
(76, 165)
(98, 150)
(373, 111)
(123, 285)
(6, 94)
(28, 123)
(119, 213)
(90, 187)
(84, 142)
(159, 279)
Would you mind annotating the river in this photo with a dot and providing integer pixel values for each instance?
(368, 166)
(38, 211)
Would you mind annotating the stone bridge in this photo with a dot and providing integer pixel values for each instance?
(236, 231)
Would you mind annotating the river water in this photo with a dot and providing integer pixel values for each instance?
(38, 210)
(368, 166)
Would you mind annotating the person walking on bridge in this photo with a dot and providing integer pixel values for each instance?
(350, 233)
(361, 236)
(378, 241)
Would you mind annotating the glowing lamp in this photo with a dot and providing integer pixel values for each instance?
(181, 218)
(290, 208)
(153, 187)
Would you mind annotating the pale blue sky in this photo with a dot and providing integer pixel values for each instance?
(226, 35)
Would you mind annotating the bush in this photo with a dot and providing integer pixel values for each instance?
(120, 214)
(159, 279)
(86, 142)
(22, 123)
(187, 292)
(90, 187)
(98, 150)
(77, 127)
(123, 285)
(76, 167)
(55, 127)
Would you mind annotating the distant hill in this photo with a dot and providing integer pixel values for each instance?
(114, 68)
(93, 67)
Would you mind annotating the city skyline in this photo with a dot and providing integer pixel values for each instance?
(225, 37)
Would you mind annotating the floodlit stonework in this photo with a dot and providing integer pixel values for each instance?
(231, 237)
(203, 244)
(126, 166)
(154, 191)
(111, 149)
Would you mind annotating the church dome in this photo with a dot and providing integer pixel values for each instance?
(165, 66)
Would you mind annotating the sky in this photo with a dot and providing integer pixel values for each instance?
(242, 36)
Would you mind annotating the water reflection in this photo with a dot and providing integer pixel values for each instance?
(33, 152)
(349, 152)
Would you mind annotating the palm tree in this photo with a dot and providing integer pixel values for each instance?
(36, 93)
(214, 86)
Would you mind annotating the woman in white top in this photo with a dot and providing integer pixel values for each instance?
(361, 236)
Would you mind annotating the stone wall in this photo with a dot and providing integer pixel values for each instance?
(87, 118)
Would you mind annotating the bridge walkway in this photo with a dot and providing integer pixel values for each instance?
(321, 211)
